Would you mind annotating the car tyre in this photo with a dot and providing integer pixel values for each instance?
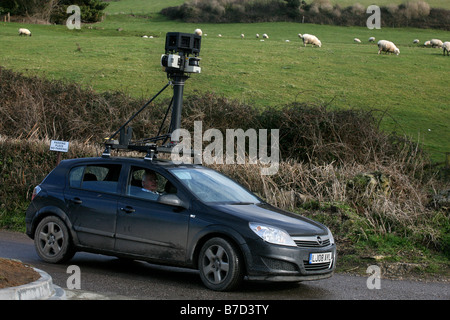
(220, 265)
(52, 240)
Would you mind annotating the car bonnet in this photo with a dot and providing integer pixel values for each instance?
(294, 224)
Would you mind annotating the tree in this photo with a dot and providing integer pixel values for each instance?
(91, 10)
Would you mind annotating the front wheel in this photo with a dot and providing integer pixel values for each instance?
(220, 265)
(52, 240)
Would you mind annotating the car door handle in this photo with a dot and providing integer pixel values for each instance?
(76, 200)
(128, 209)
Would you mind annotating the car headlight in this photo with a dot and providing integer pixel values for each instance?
(272, 234)
(330, 236)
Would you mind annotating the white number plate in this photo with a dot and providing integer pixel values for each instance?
(319, 257)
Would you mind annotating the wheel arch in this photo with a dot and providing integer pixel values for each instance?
(53, 211)
(225, 233)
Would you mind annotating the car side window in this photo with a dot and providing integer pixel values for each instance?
(148, 184)
(102, 178)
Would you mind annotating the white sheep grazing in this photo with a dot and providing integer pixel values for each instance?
(387, 46)
(416, 41)
(357, 40)
(436, 43)
(25, 32)
(198, 32)
(242, 36)
(265, 36)
(446, 47)
(310, 39)
(257, 35)
(372, 39)
(427, 43)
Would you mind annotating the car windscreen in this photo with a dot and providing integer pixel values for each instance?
(213, 187)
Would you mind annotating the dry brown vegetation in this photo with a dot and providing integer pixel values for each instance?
(337, 165)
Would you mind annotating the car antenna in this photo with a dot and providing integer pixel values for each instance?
(178, 65)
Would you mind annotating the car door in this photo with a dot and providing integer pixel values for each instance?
(91, 198)
(148, 228)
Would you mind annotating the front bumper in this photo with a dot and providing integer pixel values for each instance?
(271, 262)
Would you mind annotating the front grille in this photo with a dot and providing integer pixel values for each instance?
(316, 266)
(312, 242)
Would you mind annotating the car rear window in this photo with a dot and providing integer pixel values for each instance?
(102, 178)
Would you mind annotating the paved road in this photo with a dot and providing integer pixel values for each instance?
(114, 278)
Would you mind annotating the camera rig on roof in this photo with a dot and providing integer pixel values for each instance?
(179, 60)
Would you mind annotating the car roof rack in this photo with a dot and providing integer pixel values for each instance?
(178, 66)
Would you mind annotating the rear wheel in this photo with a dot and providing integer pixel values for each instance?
(220, 266)
(52, 240)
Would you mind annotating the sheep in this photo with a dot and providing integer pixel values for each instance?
(198, 32)
(357, 40)
(257, 35)
(265, 36)
(372, 39)
(242, 36)
(387, 46)
(310, 39)
(219, 35)
(427, 43)
(25, 32)
(446, 47)
(436, 43)
(416, 41)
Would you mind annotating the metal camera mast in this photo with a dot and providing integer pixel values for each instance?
(178, 64)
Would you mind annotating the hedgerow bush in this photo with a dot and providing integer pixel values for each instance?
(335, 164)
(410, 14)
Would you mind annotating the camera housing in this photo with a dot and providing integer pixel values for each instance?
(171, 61)
(183, 43)
(178, 47)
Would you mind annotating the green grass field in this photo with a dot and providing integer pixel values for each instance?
(140, 6)
(412, 88)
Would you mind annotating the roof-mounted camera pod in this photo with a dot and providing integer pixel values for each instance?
(179, 60)
(178, 47)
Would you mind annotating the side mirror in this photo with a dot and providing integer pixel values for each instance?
(171, 200)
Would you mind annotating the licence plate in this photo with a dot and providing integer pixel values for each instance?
(319, 257)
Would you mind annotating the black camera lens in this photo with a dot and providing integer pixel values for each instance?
(164, 60)
(194, 62)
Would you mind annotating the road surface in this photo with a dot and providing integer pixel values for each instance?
(110, 276)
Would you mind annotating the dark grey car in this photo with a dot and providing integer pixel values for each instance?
(197, 218)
